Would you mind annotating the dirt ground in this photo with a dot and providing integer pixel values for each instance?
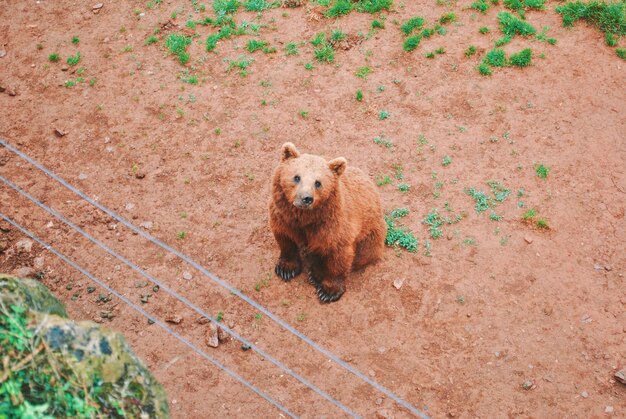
(495, 318)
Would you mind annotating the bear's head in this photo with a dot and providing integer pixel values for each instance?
(307, 181)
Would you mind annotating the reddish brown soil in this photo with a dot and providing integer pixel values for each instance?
(497, 304)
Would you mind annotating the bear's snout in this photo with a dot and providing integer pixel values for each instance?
(304, 201)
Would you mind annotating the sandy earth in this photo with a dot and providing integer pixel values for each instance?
(493, 319)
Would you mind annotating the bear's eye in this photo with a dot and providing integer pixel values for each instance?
(318, 184)
(296, 179)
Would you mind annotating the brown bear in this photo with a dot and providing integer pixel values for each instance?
(326, 217)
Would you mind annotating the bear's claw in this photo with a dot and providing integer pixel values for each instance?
(286, 274)
(326, 297)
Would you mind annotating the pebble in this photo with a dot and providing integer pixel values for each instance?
(109, 149)
(608, 268)
(38, 262)
(96, 7)
(129, 206)
(187, 275)
(528, 239)
(586, 318)
(211, 337)
(59, 132)
(621, 376)
(147, 225)
(372, 373)
(24, 245)
(527, 385)
(609, 409)
(584, 394)
(384, 414)
(176, 319)
(398, 283)
(3, 53)
(82, 176)
(65, 67)
(379, 401)
(598, 267)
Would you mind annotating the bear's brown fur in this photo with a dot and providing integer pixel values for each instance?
(326, 217)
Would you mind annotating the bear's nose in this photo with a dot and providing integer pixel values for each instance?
(307, 200)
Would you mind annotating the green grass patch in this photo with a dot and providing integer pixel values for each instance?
(363, 72)
(481, 5)
(339, 8)
(446, 18)
(542, 171)
(496, 58)
(177, 45)
(522, 58)
(398, 235)
(412, 24)
(621, 52)
(511, 25)
(411, 43)
(73, 59)
(608, 17)
(254, 45)
(260, 5)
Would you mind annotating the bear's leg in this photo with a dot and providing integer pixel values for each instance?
(289, 264)
(369, 250)
(328, 273)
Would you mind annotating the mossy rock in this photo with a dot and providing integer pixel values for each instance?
(32, 293)
(55, 367)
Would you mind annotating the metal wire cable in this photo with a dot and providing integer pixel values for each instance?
(181, 298)
(147, 315)
(220, 282)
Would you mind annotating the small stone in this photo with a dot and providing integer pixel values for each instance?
(608, 268)
(2, 88)
(379, 401)
(398, 283)
(96, 7)
(140, 175)
(203, 320)
(109, 149)
(547, 310)
(3, 53)
(548, 377)
(211, 336)
(528, 239)
(65, 67)
(598, 267)
(187, 275)
(24, 245)
(584, 394)
(621, 376)
(147, 225)
(12, 92)
(384, 414)
(176, 319)
(527, 385)
(129, 206)
(221, 334)
(609, 409)
(586, 318)
(38, 262)
(82, 176)
(59, 132)
(372, 373)
(112, 226)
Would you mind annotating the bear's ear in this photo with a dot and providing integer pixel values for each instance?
(289, 151)
(338, 165)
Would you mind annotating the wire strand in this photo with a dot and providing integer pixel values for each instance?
(220, 282)
(181, 298)
(148, 316)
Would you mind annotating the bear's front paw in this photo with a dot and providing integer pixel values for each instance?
(329, 294)
(287, 270)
